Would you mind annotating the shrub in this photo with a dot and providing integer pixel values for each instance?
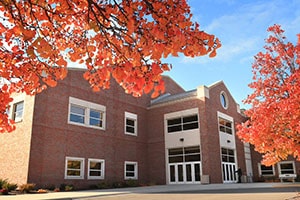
(66, 187)
(3, 191)
(9, 186)
(118, 184)
(104, 185)
(62, 187)
(2, 182)
(69, 188)
(49, 187)
(131, 183)
(26, 188)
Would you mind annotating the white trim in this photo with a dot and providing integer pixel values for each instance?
(286, 162)
(17, 99)
(224, 116)
(226, 140)
(135, 164)
(13, 113)
(102, 168)
(81, 167)
(133, 117)
(88, 106)
(226, 102)
(181, 114)
(265, 175)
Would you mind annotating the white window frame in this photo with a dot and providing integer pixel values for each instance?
(135, 164)
(225, 127)
(224, 100)
(131, 116)
(14, 111)
(102, 168)
(286, 162)
(260, 171)
(81, 176)
(88, 106)
(228, 156)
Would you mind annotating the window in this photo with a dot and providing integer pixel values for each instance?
(131, 170)
(18, 108)
(130, 123)
(286, 167)
(225, 126)
(266, 170)
(228, 155)
(183, 123)
(96, 118)
(186, 154)
(223, 100)
(86, 113)
(96, 169)
(77, 114)
(74, 168)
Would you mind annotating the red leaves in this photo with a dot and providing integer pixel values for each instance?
(273, 126)
(125, 40)
(6, 125)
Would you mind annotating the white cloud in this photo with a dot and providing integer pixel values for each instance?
(242, 30)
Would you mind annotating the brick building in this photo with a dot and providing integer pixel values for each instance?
(69, 134)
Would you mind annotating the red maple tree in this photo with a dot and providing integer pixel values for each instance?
(274, 117)
(125, 40)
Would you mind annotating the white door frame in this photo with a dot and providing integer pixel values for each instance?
(184, 171)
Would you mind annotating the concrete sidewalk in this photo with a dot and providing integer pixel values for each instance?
(155, 190)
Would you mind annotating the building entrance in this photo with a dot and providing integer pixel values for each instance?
(184, 173)
(184, 165)
(229, 166)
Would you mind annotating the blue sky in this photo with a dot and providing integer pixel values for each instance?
(241, 26)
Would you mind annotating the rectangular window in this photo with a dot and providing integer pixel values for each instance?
(286, 167)
(227, 155)
(266, 170)
(86, 113)
(130, 123)
(225, 126)
(183, 123)
(74, 168)
(18, 108)
(96, 118)
(96, 169)
(186, 154)
(77, 114)
(131, 170)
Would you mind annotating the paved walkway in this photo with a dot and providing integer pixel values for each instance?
(248, 191)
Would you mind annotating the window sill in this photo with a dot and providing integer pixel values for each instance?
(70, 177)
(131, 134)
(95, 178)
(86, 126)
(130, 178)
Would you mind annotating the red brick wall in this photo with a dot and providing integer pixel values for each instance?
(213, 105)
(156, 143)
(15, 146)
(257, 158)
(209, 133)
(54, 139)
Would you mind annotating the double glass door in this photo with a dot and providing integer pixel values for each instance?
(229, 172)
(184, 172)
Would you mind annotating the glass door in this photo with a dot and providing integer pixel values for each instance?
(184, 173)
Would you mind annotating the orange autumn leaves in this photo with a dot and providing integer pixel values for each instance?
(124, 40)
(274, 117)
